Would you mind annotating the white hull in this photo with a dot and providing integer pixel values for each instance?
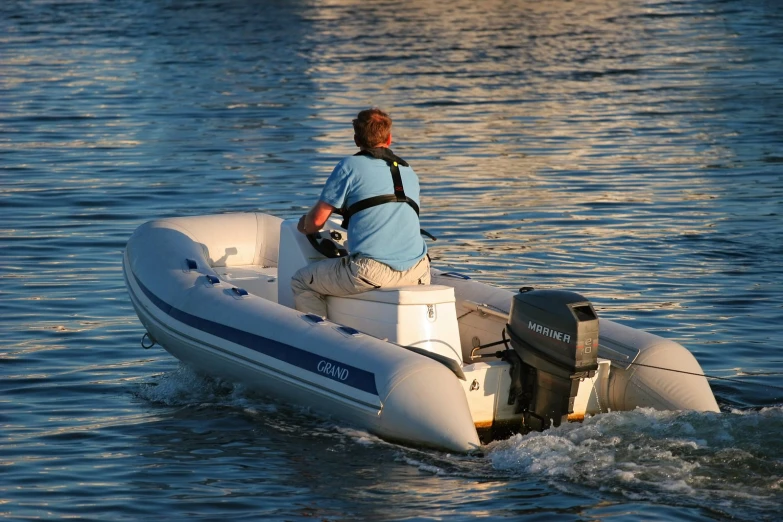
(377, 385)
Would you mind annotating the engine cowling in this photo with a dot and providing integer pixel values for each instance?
(555, 335)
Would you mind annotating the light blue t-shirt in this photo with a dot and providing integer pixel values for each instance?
(388, 233)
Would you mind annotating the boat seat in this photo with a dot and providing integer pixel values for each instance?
(403, 295)
(422, 316)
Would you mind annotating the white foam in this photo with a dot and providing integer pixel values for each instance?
(359, 436)
(653, 455)
(182, 387)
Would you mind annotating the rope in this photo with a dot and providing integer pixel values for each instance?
(466, 313)
(595, 391)
(716, 377)
(731, 379)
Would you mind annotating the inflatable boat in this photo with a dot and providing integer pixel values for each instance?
(448, 365)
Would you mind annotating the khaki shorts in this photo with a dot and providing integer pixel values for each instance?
(347, 276)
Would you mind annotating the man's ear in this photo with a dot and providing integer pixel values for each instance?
(388, 140)
(356, 141)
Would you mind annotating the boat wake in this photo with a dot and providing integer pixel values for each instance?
(727, 463)
(185, 387)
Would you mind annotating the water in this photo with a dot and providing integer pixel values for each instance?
(628, 150)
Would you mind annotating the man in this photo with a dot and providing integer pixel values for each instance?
(379, 193)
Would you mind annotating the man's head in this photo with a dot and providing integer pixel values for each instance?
(372, 128)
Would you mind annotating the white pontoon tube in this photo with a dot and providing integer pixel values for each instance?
(402, 363)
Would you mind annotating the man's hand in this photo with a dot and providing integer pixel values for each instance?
(314, 220)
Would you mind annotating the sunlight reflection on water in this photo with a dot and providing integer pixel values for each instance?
(626, 150)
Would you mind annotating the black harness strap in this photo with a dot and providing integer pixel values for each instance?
(375, 201)
(399, 191)
(399, 196)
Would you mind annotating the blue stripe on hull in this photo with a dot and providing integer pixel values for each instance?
(351, 376)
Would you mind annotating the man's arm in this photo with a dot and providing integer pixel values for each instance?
(312, 222)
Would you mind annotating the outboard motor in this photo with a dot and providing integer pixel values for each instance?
(555, 335)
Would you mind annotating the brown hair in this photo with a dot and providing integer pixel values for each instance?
(372, 127)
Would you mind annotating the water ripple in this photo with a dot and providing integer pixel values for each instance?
(629, 151)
